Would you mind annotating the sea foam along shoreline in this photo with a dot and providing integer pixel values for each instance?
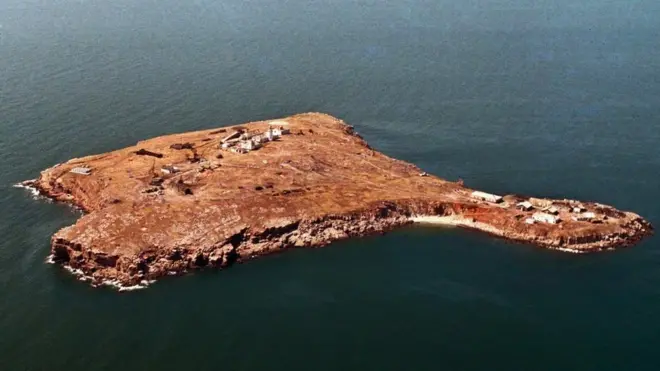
(81, 276)
(34, 191)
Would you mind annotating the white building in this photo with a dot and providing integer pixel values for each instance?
(584, 217)
(553, 210)
(249, 145)
(280, 127)
(169, 169)
(579, 209)
(81, 170)
(229, 143)
(261, 138)
(540, 203)
(276, 132)
(269, 135)
(546, 218)
(486, 197)
(525, 206)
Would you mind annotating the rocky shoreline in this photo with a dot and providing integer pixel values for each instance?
(320, 184)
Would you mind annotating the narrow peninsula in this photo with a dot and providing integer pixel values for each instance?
(215, 197)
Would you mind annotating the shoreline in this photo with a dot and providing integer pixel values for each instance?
(449, 221)
(457, 221)
(34, 191)
(83, 277)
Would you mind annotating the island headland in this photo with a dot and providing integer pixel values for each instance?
(215, 197)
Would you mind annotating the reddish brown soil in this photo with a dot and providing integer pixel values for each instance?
(318, 184)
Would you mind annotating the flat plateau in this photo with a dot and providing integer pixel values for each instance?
(181, 202)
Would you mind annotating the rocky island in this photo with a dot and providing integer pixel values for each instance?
(215, 197)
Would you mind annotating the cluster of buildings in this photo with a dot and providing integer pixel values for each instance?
(549, 213)
(244, 142)
(545, 210)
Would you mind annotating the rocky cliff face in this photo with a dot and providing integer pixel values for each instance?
(181, 202)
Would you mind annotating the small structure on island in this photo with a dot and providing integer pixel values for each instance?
(280, 127)
(260, 139)
(169, 169)
(275, 132)
(82, 170)
(230, 143)
(546, 218)
(579, 209)
(525, 206)
(249, 145)
(553, 210)
(483, 196)
(540, 202)
(584, 217)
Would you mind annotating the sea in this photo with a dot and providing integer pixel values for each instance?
(554, 98)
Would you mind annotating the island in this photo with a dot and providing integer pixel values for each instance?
(212, 198)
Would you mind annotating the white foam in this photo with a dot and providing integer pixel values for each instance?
(132, 288)
(78, 273)
(569, 250)
(122, 288)
(81, 276)
(33, 191)
(36, 195)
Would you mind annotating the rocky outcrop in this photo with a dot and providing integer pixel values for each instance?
(238, 247)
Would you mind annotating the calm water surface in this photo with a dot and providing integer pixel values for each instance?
(556, 98)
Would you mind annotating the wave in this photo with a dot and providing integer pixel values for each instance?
(81, 276)
(36, 195)
(32, 189)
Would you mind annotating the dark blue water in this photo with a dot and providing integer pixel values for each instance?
(556, 98)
